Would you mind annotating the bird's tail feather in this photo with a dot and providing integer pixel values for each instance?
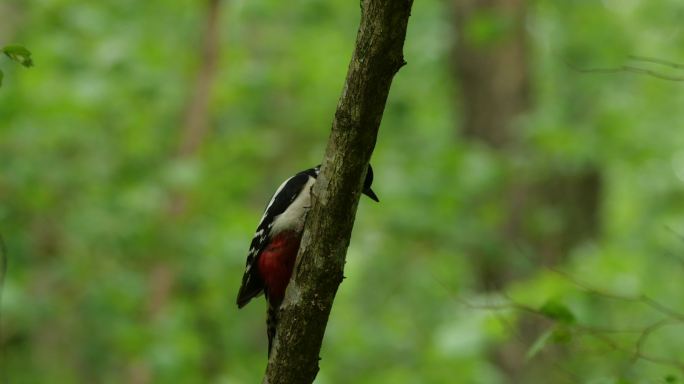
(271, 324)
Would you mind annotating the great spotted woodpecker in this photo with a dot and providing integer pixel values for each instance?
(275, 244)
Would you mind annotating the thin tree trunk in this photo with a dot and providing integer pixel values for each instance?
(196, 120)
(492, 71)
(319, 269)
(192, 134)
(492, 68)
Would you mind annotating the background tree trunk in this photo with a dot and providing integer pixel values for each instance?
(492, 72)
(490, 62)
(319, 269)
(192, 133)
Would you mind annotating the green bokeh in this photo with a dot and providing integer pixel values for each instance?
(106, 285)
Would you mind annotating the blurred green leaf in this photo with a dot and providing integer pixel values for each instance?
(555, 310)
(558, 334)
(1, 76)
(561, 334)
(539, 344)
(487, 27)
(129, 290)
(19, 54)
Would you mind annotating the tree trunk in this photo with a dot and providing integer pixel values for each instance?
(304, 313)
(491, 67)
(492, 72)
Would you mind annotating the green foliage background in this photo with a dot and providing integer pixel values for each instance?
(87, 172)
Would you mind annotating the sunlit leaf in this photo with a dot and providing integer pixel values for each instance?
(19, 54)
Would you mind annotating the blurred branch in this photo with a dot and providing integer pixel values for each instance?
(657, 61)
(636, 352)
(163, 273)
(679, 259)
(645, 334)
(304, 314)
(3, 265)
(670, 317)
(633, 69)
(644, 299)
(195, 121)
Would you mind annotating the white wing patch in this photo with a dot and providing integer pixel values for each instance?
(280, 188)
(294, 216)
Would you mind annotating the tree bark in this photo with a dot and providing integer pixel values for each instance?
(319, 269)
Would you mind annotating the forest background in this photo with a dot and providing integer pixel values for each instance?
(530, 167)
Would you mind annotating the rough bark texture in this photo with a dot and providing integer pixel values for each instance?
(319, 270)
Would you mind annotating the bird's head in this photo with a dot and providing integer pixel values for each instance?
(367, 185)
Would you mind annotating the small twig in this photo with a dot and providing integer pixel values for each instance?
(677, 258)
(626, 68)
(662, 308)
(646, 333)
(645, 299)
(656, 61)
(671, 317)
(639, 355)
(629, 68)
(593, 290)
(3, 263)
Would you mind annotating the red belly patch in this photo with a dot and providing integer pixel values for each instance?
(276, 263)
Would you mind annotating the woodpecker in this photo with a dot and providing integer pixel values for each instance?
(275, 244)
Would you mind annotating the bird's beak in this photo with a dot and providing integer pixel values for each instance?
(369, 192)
